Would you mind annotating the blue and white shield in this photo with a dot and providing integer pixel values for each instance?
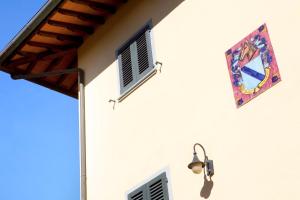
(253, 73)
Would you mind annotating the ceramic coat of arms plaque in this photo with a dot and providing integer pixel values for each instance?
(252, 66)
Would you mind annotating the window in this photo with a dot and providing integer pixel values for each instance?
(156, 189)
(135, 59)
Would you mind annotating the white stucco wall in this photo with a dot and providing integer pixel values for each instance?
(255, 148)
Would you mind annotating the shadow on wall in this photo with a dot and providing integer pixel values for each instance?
(207, 187)
(98, 52)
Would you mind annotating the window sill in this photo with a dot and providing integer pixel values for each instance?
(137, 85)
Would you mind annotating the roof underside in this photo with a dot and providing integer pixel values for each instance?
(49, 42)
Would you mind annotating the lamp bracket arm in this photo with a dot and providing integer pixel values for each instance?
(197, 144)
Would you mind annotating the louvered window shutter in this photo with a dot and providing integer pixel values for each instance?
(138, 194)
(126, 69)
(156, 189)
(135, 60)
(144, 54)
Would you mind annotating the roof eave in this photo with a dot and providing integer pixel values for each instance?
(28, 29)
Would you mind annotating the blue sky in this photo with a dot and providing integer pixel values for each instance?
(38, 128)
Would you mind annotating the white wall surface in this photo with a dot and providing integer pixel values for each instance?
(255, 148)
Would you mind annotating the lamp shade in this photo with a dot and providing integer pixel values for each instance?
(196, 165)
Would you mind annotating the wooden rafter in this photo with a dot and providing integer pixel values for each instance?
(26, 54)
(122, 1)
(63, 77)
(83, 16)
(44, 74)
(97, 5)
(43, 43)
(28, 59)
(72, 27)
(42, 56)
(74, 85)
(61, 37)
(44, 83)
(30, 67)
(55, 88)
(53, 64)
(31, 34)
(51, 47)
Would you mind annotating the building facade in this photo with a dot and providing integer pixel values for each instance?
(156, 82)
(255, 148)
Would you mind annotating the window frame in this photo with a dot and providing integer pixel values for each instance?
(145, 187)
(138, 79)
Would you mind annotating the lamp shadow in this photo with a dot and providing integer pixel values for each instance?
(207, 187)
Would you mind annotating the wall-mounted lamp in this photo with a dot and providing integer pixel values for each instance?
(196, 165)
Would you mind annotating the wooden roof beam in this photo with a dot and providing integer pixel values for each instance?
(41, 56)
(30, 67)
(43, 74)
(72, 27)
(51, 47)
(83, 16)
(28, 59)
(121, 1)
(49, 68)
(37, 80)
(26, 54)
(74, 86)
(63, 77)
(53, 63)
(97, 5)
(55, 88)
(61, 37)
